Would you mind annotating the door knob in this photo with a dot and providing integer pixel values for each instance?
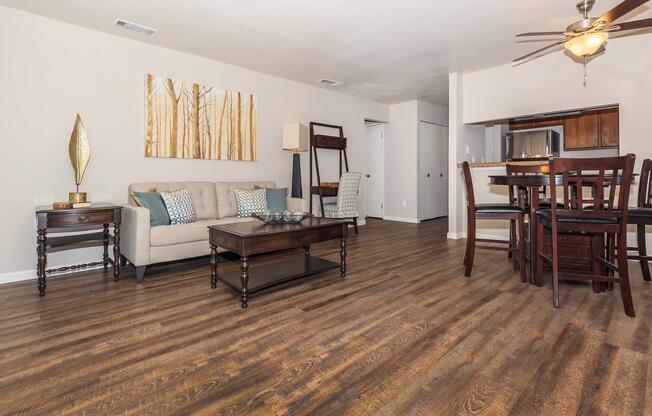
(368, 175)
(441, 175)
(428, 175)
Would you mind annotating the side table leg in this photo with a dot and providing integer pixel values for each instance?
(116, 251)
(42, 260)
(105, 255)
(343, 256)
(213, 266)
(244, 279)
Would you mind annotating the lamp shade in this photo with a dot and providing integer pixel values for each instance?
(586, 44)
(295, 137)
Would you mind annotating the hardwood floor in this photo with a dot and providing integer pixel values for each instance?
(404, 334)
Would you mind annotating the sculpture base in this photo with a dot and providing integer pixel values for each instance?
(76, 197)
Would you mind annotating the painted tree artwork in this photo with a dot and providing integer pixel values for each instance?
(191, 121)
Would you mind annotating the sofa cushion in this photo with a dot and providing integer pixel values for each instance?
(277, 199)
(250, 202)
(165, 235)
(226, 205)
(203, 194)
(180, 207)
(158, 213)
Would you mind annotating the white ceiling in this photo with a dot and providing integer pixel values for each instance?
(388, 51)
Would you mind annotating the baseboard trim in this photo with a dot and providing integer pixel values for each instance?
(18, 276)
(401, 219)
(454, 236)
(23, 275)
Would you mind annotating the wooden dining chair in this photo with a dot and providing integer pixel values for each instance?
(519, 195)
(596, 214)
(641, 215)
(497, 211)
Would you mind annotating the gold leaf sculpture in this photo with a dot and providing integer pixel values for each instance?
(79, 151)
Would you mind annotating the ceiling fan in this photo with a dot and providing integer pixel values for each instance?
(588, 36)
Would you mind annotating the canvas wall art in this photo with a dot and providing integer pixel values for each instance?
(192, 121)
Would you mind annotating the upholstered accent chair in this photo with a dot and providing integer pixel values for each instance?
(347, 199)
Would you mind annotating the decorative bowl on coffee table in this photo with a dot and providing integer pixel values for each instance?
(286, 217)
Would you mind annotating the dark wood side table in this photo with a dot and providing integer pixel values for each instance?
(95, 217)
(254, 237)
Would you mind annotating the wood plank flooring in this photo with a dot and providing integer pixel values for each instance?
(404, 334)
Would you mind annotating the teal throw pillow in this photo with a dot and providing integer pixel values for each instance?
(276, 199)
(158, 214)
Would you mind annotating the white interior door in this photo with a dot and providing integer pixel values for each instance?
(374, 176)
(442, 140)
(433, 170)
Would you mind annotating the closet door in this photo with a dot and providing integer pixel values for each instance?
(442, 170)
(428, 171)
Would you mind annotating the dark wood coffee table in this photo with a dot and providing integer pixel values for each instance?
(255, 237)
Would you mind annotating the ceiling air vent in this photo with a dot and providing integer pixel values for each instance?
(329, 82)
(135, 27)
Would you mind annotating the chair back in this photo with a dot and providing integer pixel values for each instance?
(597, 174)
(468, 185)
(519, 194)
(645, 185)
(347, 195)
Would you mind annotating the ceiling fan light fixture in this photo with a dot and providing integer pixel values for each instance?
(586, 44)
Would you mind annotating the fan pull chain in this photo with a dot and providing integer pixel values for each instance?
(586, 76)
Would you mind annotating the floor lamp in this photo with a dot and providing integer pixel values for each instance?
(295, 139)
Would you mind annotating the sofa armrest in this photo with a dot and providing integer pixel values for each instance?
(135, 235)
(298, 204)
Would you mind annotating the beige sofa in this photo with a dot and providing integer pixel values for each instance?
(214, 202)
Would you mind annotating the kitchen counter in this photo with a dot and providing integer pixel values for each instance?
(503, 164)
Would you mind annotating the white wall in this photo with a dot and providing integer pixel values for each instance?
(432, 113)
(401, 162)
(51, 70)
(465, 142)
(554, 82)
(401, 156)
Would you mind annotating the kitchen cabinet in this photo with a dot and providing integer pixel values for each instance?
(609, 128)
(535, 123)
(596, 129)
(581, 131)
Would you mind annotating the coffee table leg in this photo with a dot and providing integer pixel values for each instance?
(244, 279)
(213, 266)
(343, 256)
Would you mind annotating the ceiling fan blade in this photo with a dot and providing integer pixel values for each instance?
(635, 24)
(621, 10)
(540, 34)
(540, 50)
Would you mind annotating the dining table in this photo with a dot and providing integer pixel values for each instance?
(533, 183)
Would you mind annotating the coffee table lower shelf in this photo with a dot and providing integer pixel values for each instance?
(265, 276)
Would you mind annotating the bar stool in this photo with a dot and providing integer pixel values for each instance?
(597, 215)
(518, 195)
(498, 211)
(641, 215)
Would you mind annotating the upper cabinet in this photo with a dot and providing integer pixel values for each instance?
(591, 129)
(581, 131)
(535, 123)
(608, 121)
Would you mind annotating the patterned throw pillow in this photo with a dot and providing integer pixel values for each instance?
(179, 205)
(249, 202)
